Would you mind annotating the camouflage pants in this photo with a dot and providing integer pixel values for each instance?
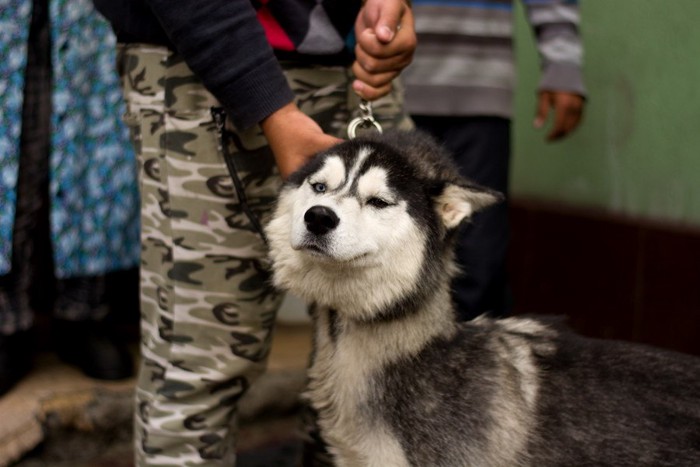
(208, 309)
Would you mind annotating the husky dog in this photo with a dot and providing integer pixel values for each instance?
(365, 233)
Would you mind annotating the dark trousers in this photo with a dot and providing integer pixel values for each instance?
(481, 148)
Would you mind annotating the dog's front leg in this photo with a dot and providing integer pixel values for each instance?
(379, 450)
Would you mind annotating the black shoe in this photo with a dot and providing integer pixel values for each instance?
(16, 355)
(90, 346)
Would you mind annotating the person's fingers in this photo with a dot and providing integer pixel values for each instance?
(404, 41)
(559, 126)
(386, 40)
(382, 17)
(567, 108)
(376, 76)
(568, 112)
(389, 19)
(575, 105)
(379, 62)
(572, 121)
(370, 93)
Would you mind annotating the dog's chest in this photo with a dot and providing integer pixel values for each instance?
(340, 381)
(343, 392)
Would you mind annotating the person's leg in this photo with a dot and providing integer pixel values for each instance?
(481, 148)
(30, 239)
(82, 331)
(207, 305)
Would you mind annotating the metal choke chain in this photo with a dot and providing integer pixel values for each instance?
(365, 120)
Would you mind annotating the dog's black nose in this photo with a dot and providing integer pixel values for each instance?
(320, 220)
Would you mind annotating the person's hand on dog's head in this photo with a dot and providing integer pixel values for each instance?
(386, 40)
(568, 111)
(294, 138)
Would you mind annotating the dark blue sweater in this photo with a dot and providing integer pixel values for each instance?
(227, 43)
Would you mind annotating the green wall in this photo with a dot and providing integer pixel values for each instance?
(638, 149)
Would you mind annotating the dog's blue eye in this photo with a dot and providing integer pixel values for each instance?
(377, 203)
(319, 187)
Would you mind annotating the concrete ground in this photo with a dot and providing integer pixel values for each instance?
(58, 417)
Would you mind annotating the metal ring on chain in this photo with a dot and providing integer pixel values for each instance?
(362, 122)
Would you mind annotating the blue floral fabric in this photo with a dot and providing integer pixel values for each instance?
(93, 179)
(14, 32)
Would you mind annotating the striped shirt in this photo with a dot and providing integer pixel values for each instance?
(465, 66)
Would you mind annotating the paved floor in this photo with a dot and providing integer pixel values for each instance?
(58, 417)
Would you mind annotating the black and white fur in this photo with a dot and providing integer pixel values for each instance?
(365, 233)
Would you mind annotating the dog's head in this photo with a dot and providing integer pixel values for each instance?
(360, 225)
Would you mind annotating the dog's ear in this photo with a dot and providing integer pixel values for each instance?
(456, 203)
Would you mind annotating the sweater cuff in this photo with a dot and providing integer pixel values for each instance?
(249, 99)
(563, 77)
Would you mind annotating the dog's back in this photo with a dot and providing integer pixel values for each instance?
(616, 403)
(521, 392)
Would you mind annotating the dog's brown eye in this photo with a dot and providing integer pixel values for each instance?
(319, 187)
(377, 203)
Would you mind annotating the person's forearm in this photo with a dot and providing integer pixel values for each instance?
(225, 45)
(559, 44)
